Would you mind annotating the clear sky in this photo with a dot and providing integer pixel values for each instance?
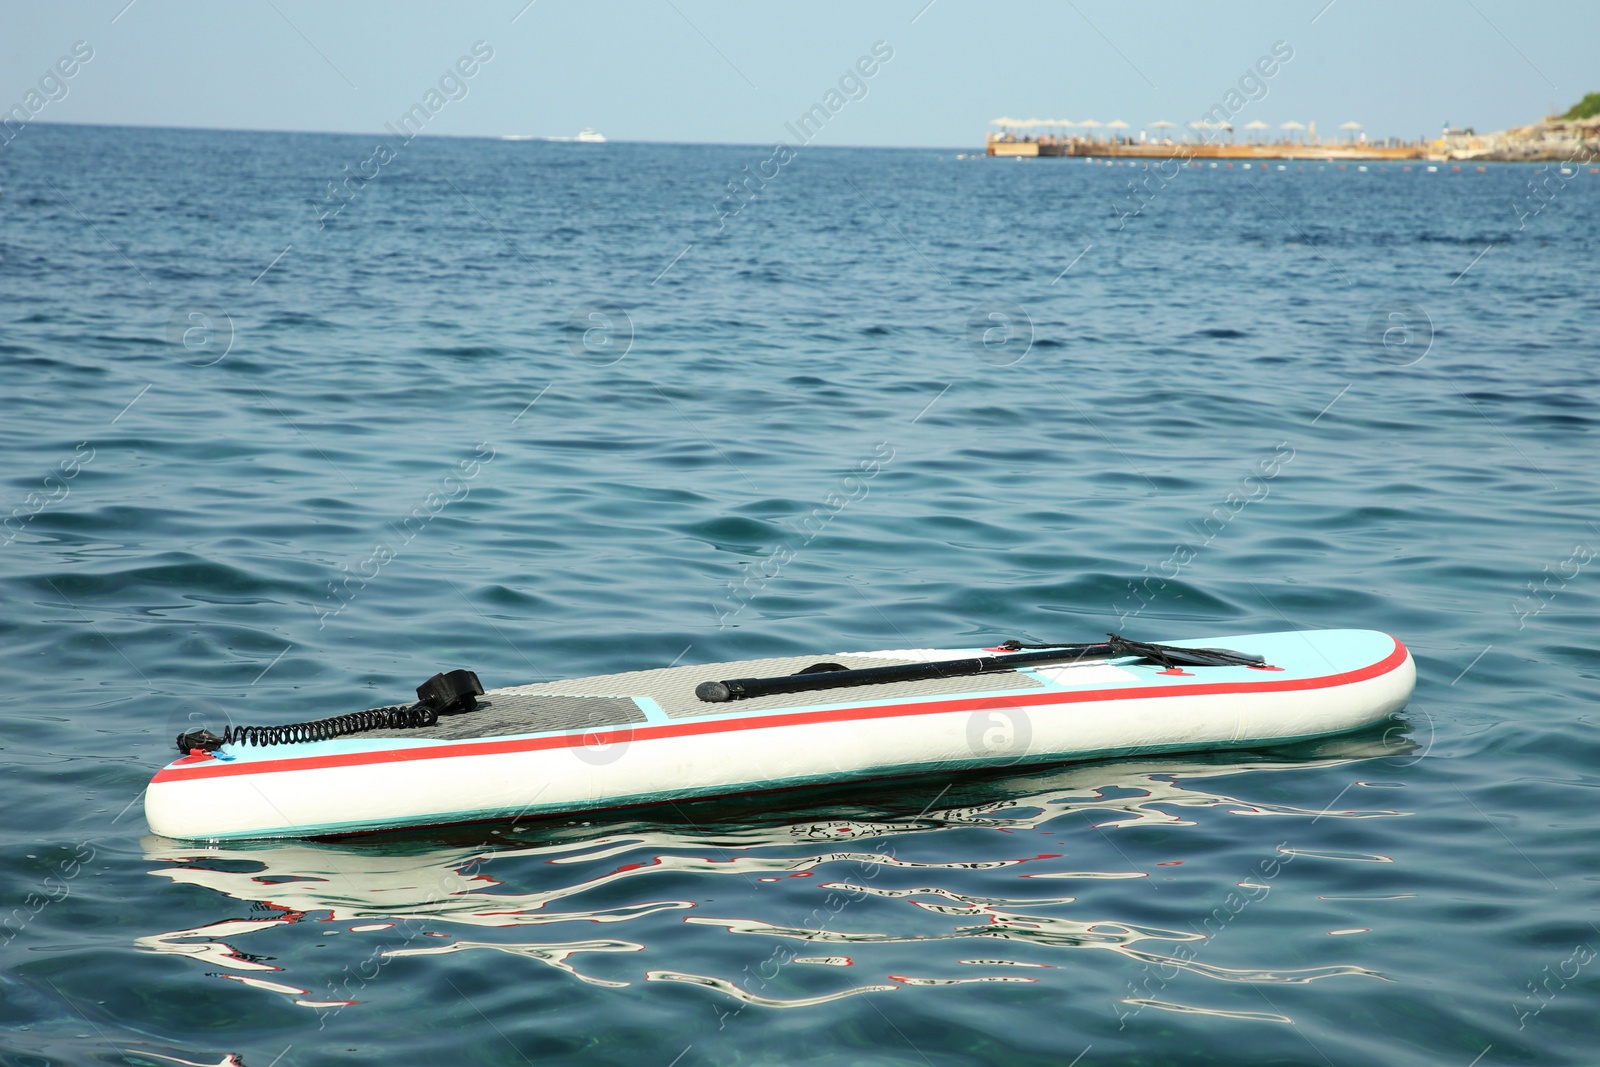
(695, 70)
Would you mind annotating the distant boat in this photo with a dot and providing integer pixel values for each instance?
(586, 136)
(516, 136)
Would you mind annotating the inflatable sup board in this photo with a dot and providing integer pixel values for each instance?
(461, 754)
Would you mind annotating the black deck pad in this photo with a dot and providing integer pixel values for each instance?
(500, 714)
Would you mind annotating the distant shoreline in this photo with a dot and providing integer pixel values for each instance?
(1554, 139)
(1571, 138)
(1550, 140)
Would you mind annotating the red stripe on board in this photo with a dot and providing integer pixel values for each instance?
(220, 769)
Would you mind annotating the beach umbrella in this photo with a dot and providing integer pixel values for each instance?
(1351, 128)
(1291, 125)
(1090, 124)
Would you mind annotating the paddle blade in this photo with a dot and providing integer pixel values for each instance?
(1173, 656)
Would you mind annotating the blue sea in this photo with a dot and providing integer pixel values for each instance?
(279, 443)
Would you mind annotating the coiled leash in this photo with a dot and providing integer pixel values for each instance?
(444, 694)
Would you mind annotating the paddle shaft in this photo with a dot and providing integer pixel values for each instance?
(747, 688)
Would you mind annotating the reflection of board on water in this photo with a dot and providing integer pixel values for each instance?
(592, 899)
(671, 734)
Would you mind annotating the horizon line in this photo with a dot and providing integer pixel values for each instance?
(516, 137)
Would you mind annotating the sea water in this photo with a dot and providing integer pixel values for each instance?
(278, 444)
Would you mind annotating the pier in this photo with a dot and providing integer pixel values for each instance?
(1048, 145)
(1572, 138)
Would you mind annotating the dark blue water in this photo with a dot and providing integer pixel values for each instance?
(536, 410)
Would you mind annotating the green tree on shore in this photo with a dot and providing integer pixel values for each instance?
(1586, 108)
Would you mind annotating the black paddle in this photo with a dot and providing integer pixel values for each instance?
(832, 676)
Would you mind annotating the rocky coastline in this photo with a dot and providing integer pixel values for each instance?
(1570, 138)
